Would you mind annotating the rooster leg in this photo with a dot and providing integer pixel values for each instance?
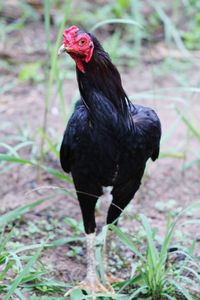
(110, 279)
(91, 283)
(122, 195)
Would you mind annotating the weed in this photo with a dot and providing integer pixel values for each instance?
(153, 274)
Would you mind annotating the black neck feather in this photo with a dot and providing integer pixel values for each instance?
(102, 77)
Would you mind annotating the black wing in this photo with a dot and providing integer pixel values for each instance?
(147, 130)
(77, 124)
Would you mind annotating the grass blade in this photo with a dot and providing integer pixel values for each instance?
(137, 292)
(49, 142)
(13, 159)
(63, 241)
(170, 27)
(195, 132)
(126, 240)
(183, 291)
(151, 244)
(23, 273)
(57, 174)
(6, 240)
(19, 211)
(116, 21)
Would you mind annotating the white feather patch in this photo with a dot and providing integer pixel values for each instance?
(107, 196)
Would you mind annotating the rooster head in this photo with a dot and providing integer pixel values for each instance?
(78, 44)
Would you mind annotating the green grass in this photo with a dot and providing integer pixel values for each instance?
(153, 276)
(21, 268)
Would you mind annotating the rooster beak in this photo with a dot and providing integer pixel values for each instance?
(61, 49)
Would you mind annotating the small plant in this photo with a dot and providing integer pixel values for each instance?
(153, 276)
(20, 267)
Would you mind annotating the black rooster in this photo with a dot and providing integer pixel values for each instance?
(107, 141)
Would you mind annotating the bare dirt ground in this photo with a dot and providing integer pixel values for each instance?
(23, 107)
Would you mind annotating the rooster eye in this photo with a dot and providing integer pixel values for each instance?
(81, 42)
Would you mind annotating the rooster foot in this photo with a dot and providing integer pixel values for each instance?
(93, 287)
(112, 279)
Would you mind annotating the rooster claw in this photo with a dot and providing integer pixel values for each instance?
(92, 287)
(113, 279)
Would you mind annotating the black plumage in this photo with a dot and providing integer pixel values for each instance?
(108, 139)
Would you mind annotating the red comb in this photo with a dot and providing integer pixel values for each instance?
(70, 32)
